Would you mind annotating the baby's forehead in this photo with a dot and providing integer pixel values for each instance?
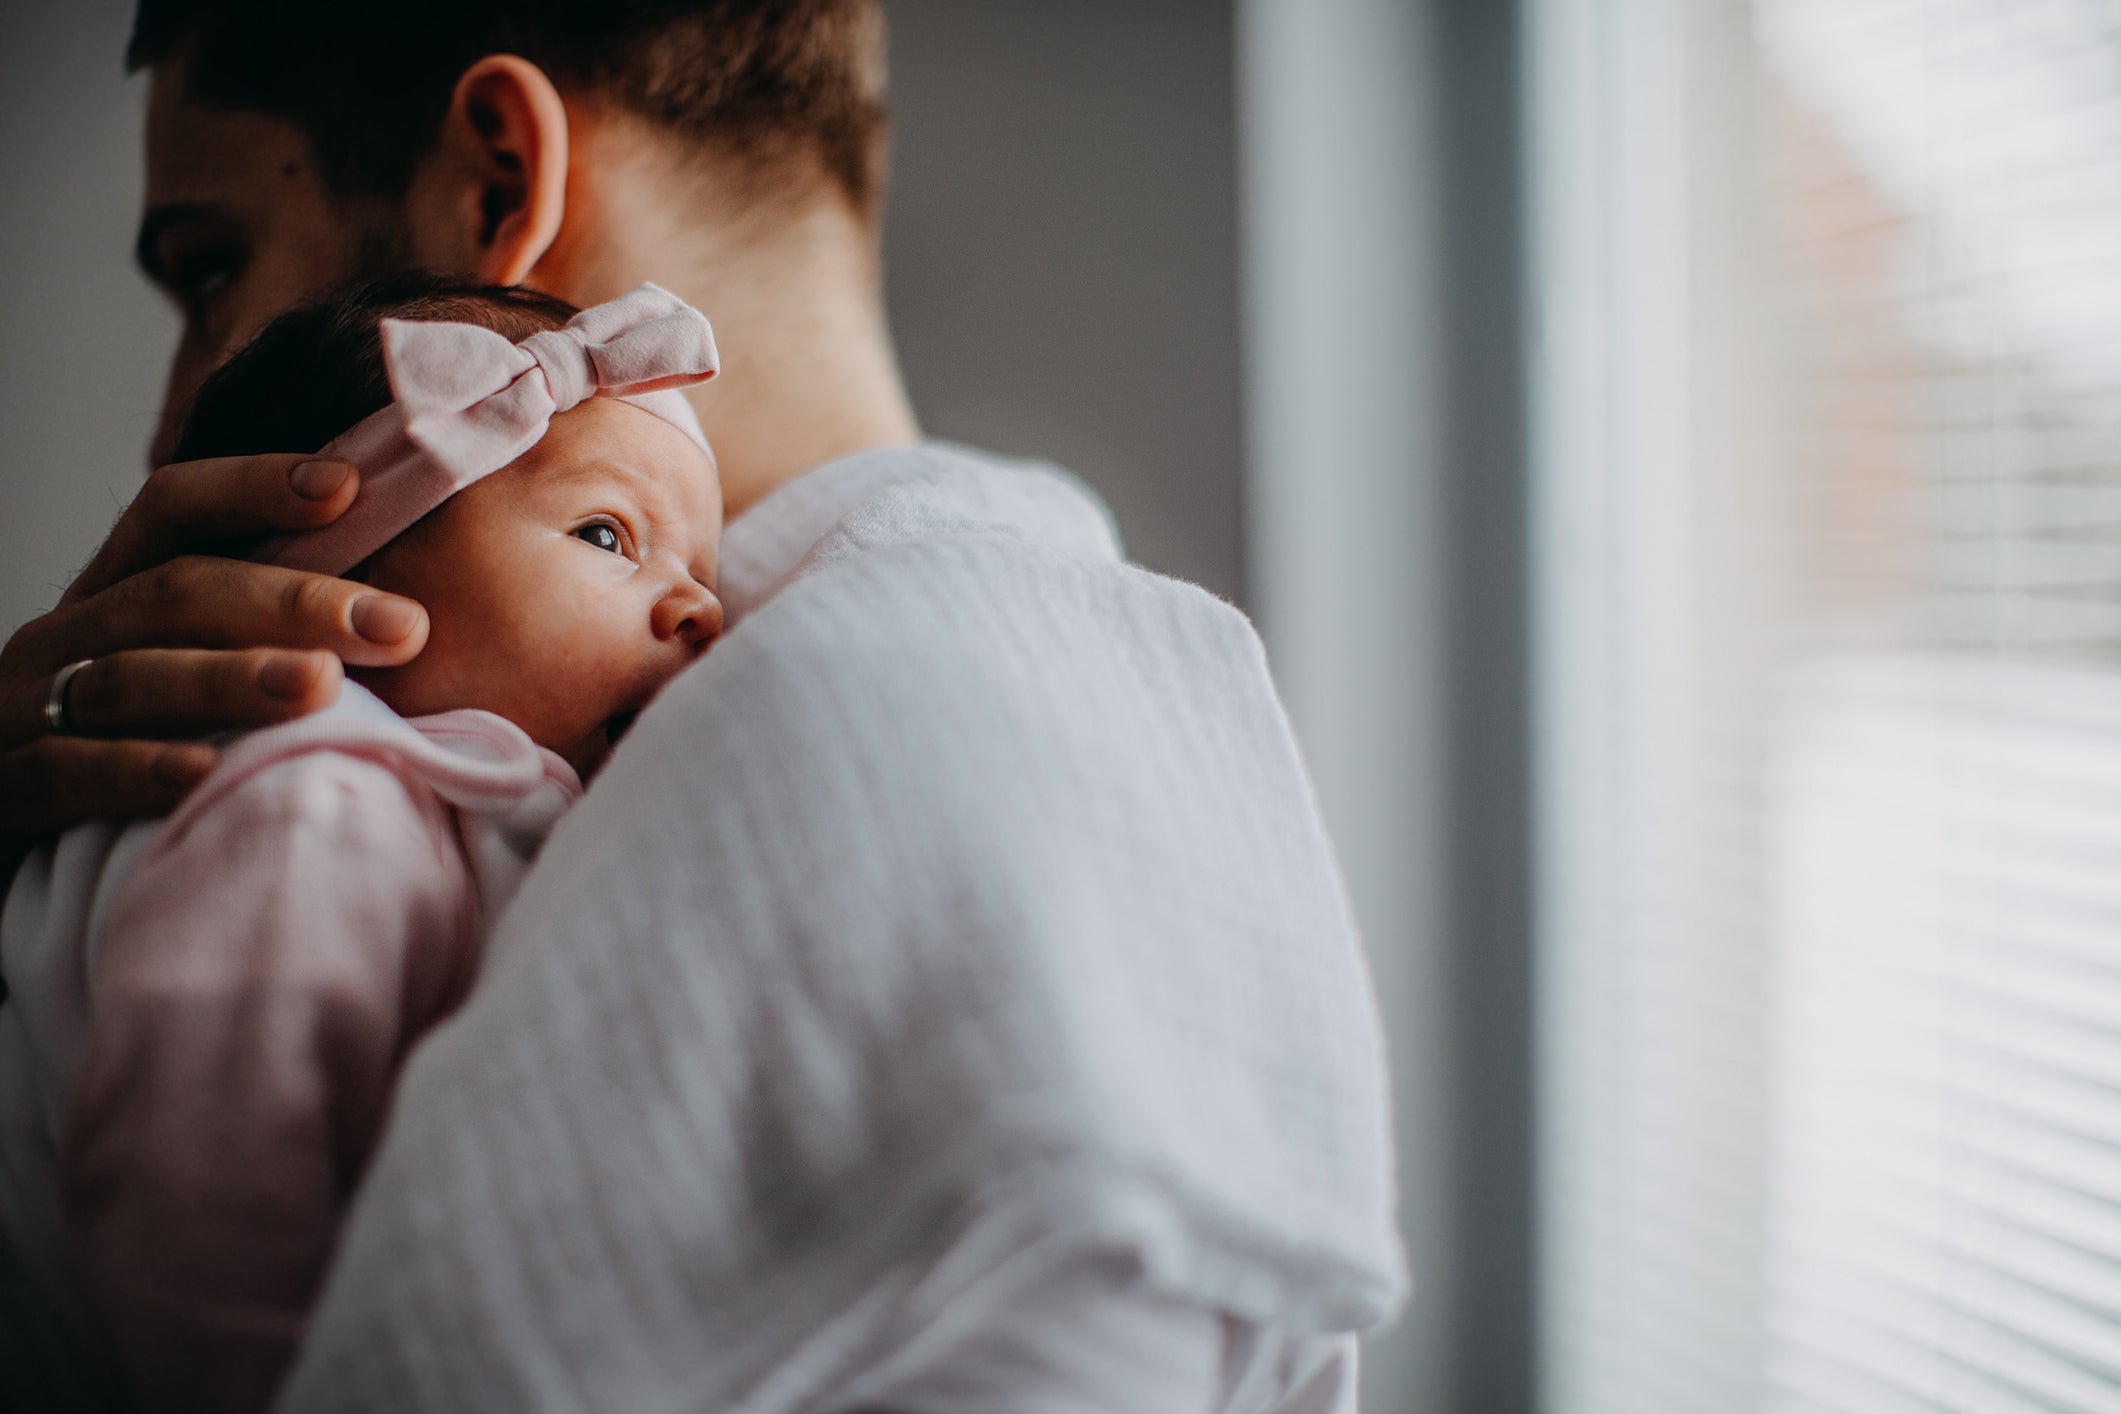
(609, 442)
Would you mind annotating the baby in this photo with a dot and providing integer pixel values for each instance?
(209, 1011)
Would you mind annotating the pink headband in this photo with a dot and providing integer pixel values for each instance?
(469, 402)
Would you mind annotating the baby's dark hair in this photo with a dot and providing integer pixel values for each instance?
(317, 370)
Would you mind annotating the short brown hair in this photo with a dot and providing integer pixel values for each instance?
(790, 88)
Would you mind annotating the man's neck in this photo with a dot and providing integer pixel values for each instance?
(808, 369)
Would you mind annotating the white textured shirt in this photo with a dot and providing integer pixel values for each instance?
(953, 954)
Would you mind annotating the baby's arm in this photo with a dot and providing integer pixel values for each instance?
(253, 992)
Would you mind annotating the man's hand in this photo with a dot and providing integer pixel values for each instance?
(183, 643)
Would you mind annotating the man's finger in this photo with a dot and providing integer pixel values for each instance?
(201, 602)
(212, 504)
(61, 780)
(163, 693)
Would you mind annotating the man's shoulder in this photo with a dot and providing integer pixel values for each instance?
(977, 553)
(944, 491)
(895, 499)
(904, 613)
(991, 688)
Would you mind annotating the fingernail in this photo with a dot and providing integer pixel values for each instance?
(319, 481)
(288, 678)
(184, 766)
(381, 620)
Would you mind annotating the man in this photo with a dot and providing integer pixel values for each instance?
(946, 1000)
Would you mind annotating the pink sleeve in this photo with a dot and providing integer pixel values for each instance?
(254, 990)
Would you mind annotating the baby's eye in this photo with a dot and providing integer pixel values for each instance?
(602, 536)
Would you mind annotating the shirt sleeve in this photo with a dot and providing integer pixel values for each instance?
(251, 994)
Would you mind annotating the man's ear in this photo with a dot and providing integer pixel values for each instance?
(488, 200)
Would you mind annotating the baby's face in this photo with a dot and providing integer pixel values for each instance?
(566, 588)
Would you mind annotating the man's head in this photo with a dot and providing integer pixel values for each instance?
(291, 146)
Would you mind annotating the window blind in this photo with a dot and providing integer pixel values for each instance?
(1830, 663)
(1946, 1211)
(1945, 821)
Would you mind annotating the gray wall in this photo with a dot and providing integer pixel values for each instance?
(82, 339)
(1062, 252)
(1062, 249)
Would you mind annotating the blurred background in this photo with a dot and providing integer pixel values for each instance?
(1673, 449)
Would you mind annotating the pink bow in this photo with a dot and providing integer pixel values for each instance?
(469, 402)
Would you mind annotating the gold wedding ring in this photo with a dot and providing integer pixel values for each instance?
(58, 714)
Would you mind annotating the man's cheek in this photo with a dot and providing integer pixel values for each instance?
(203, 347)
(188, 368)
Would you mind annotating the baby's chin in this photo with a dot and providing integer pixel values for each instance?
(589, 754)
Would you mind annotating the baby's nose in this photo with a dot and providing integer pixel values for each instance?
(689, 614)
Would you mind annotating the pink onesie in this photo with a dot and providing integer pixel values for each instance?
(215, 1034)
